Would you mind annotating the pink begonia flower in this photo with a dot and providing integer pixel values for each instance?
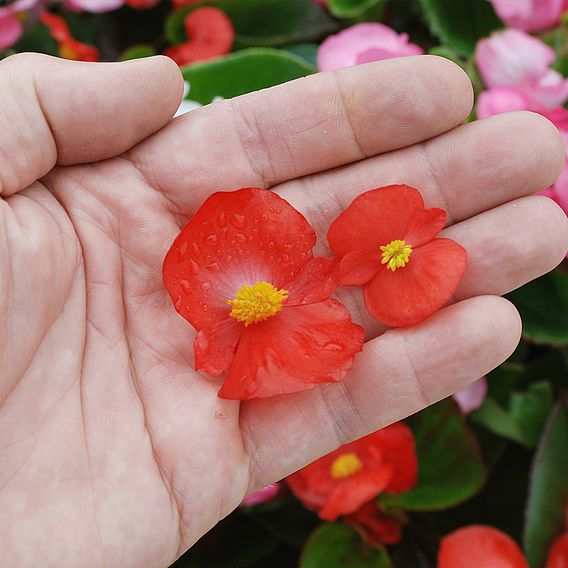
(262, 495)
(500, 100)
(471, 397)
(94, 6)
(363, 43)
(529, 15)
(512, 58)
(11, 27)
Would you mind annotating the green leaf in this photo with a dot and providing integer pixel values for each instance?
(339, 546)
(137, 51)
(307, 51)
(548, 491)
(262, 22)
(243, 72)
(524, 418)
(449, 460)
(37, 38)
(357, 9)
(460, 23)
(543, 304)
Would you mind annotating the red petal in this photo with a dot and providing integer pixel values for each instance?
(558, 553)
(375, 218)
(397, 446)
(58, 27)
(298, 348)
(414, 292)
(359, 266)
(354, 492)
(479, 546)
(424, 226)
(376, 527)
(215, 346)
(315, 283)
(238, 237)
(212, 27)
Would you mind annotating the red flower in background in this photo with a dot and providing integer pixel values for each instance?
(210, 34)
(343, 481)
(142, 4)
(69, 47)
(386, 242)
(375, 526)
(480, 546)
(558, 553)
(242, 273)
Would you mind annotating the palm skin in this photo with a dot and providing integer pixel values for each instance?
(113, 451)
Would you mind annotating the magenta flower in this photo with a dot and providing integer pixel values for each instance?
(529, 15)
(500, 100)
(363, 43)
(471, 397)
(514, 59)
(11, 26)
(261, 495)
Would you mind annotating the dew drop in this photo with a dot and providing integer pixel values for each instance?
(285, 258)
(183, 249)
(241, 238)
(271, 245)
(194, 248)
(238, 220)
(264, 217)
(333, 347)
(222, 219)
(211, 239)
(185, 286)
(204, 307)
(214, 266)
(177, 303)
(288, 246)
(206, 286)
(193, 266)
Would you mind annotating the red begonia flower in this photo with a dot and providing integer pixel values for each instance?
(375, 526)
(479, 546)
(69, 47)
(242, 273)
(558, 553)
(386, 242)
(210, 34)
(344, 480)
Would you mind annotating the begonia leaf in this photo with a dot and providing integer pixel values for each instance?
(357, 9)
(543, 305)
(548, 490)
(262, 22)
(460, 23)
(450, 469)
(243, 72)
(340, 546)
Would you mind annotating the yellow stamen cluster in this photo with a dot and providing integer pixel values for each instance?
(396, 254)
(256, 303)
(345, 466)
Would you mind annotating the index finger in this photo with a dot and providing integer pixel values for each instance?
(305, 126)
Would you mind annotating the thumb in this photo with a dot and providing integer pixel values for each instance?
(54, 111)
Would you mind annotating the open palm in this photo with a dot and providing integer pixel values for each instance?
(113, 451)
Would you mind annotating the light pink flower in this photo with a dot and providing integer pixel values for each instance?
(471, 397)
(500, 100)
(95, 6)
(512, 58)
(11, 27)
(363, 43)
(262, 495)
(529, 15)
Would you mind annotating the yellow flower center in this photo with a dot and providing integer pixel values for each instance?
(396, 254)
(256, 303)
(345, 466)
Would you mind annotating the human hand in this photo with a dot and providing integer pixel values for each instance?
(112, 450)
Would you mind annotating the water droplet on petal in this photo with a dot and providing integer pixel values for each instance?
(222, 219)
(214, 266)
(194, 248)
(288, 246)
(240, 238)
(239, 221)
(285, 258)
(264, 217)
(206, 286)
(204, 307)
(193, 266)
(333, 347)
(183, 249)
(211, 239)
(271, 245)
(177, 303)
(185, 286)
